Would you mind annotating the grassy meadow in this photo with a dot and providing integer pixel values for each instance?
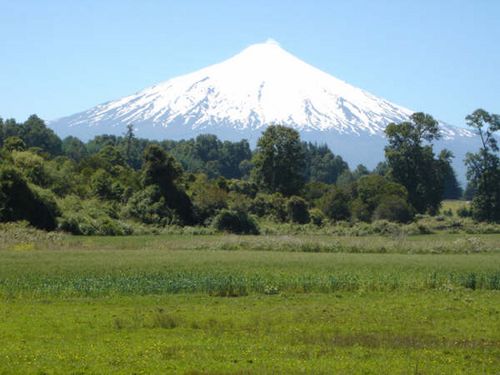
(196, 304)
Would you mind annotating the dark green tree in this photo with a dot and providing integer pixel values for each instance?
(483, 167)
(321, 165)
(335, 204)
(101, 141)
(469, 192)
(207, 154)
(10, 129)
(129, 139)
(20, 201)
(297, 209)
(360, 171)
(2, 132)
(235, 222)
(149, 206)
(74, 149)
(104, 187)
(451, 186)
(374, 190)
(279, 161)
(235, 157)
(412, 164)
(162, 170)
(382, 169)
(35, 133)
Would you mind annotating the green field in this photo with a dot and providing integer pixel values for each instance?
(427, 304)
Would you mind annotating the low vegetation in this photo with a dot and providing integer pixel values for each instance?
(183, 303)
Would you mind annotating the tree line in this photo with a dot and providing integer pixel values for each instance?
(121, 184)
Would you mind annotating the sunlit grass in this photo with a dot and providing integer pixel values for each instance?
(251, 304)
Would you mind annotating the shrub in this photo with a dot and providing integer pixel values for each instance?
(317, 217)
(207, 197)
(149, 206)
(464, 211)
(385, 227)
(360, 211)
(393, 208)
(235, 222)
(335, 205)
(21, 201)
(91, 217)
(297, 210)
(103, 186)
(448, 212)
(239, 202)
(14, 144)
(32, 166)
(247, 188)
(272, 205)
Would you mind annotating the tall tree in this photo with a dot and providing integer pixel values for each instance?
(2, 131)
(129, 138)
(74, 149)
(35, 133)
(412, 164)
(162, 170)
(483, 167)
(321, 165)
(279, 161)
(451, 186)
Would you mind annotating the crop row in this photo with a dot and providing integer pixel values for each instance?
(232, 284)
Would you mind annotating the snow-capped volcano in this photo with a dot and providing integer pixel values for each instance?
(237, 98)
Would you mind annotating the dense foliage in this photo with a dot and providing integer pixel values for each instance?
(484, 167)
(412, 163)
(115, 185)
(279, 161)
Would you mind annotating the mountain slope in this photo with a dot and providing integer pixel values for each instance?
(236, 98)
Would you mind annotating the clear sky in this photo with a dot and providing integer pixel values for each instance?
(60, 57)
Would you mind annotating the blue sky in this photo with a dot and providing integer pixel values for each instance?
(62, 57)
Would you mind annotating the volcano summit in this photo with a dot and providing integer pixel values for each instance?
(239, 97)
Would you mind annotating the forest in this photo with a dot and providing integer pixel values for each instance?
(121, 185)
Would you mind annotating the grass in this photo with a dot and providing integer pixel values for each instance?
(453, 205)
(74, 273)
(352, 333)
(305, 304)
(415, 244)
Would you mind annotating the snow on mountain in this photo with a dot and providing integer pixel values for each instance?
(239, 97)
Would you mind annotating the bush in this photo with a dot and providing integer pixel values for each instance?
(271, 205)
(239, 202)
(360, 211)
(464, 211)
(91, 217)
(83, 224)
(317, 217)
(149, 206)
(297, 210)
(393, 209)
(21, 201)
(33, 167)
(104, 187)
(207, 197)
(335, 205)
(385, 228)
(235, 222)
